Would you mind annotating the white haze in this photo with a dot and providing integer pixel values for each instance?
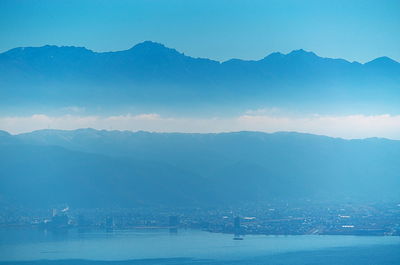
(349, 127)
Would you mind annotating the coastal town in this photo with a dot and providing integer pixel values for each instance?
(281, 218)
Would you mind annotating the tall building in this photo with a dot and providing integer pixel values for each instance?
(236, 228)
(173, 221)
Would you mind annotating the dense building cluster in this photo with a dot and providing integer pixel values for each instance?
(280, 218)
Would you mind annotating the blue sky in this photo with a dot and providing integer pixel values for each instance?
(354, 30)
(217, 29)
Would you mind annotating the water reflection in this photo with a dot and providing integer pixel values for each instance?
(112, 244)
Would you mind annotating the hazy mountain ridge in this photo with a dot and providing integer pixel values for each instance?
(151, 72)
(49, 167)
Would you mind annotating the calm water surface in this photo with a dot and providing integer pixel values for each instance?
(33, 244)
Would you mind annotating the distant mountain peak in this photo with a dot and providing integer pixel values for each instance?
(384, 60)
(149, 44)
(274, 55)
(293, 55)
(152, 46)
(301, 53)
(47, 49)
(153, 49)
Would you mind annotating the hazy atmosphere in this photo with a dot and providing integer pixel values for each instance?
(216, 30)
(179, 132)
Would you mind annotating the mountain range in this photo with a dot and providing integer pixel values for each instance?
(150, 74)
(92, 168)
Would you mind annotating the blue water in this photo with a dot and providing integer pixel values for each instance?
(188, 246)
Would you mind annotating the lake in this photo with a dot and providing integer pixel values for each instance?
(159, 246)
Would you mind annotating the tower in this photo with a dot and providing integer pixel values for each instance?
(236, 228)
(173, 224)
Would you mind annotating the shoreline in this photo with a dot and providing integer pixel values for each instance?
(105, 229)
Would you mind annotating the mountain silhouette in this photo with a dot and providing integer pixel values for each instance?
(150, 73)
(91, 168)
